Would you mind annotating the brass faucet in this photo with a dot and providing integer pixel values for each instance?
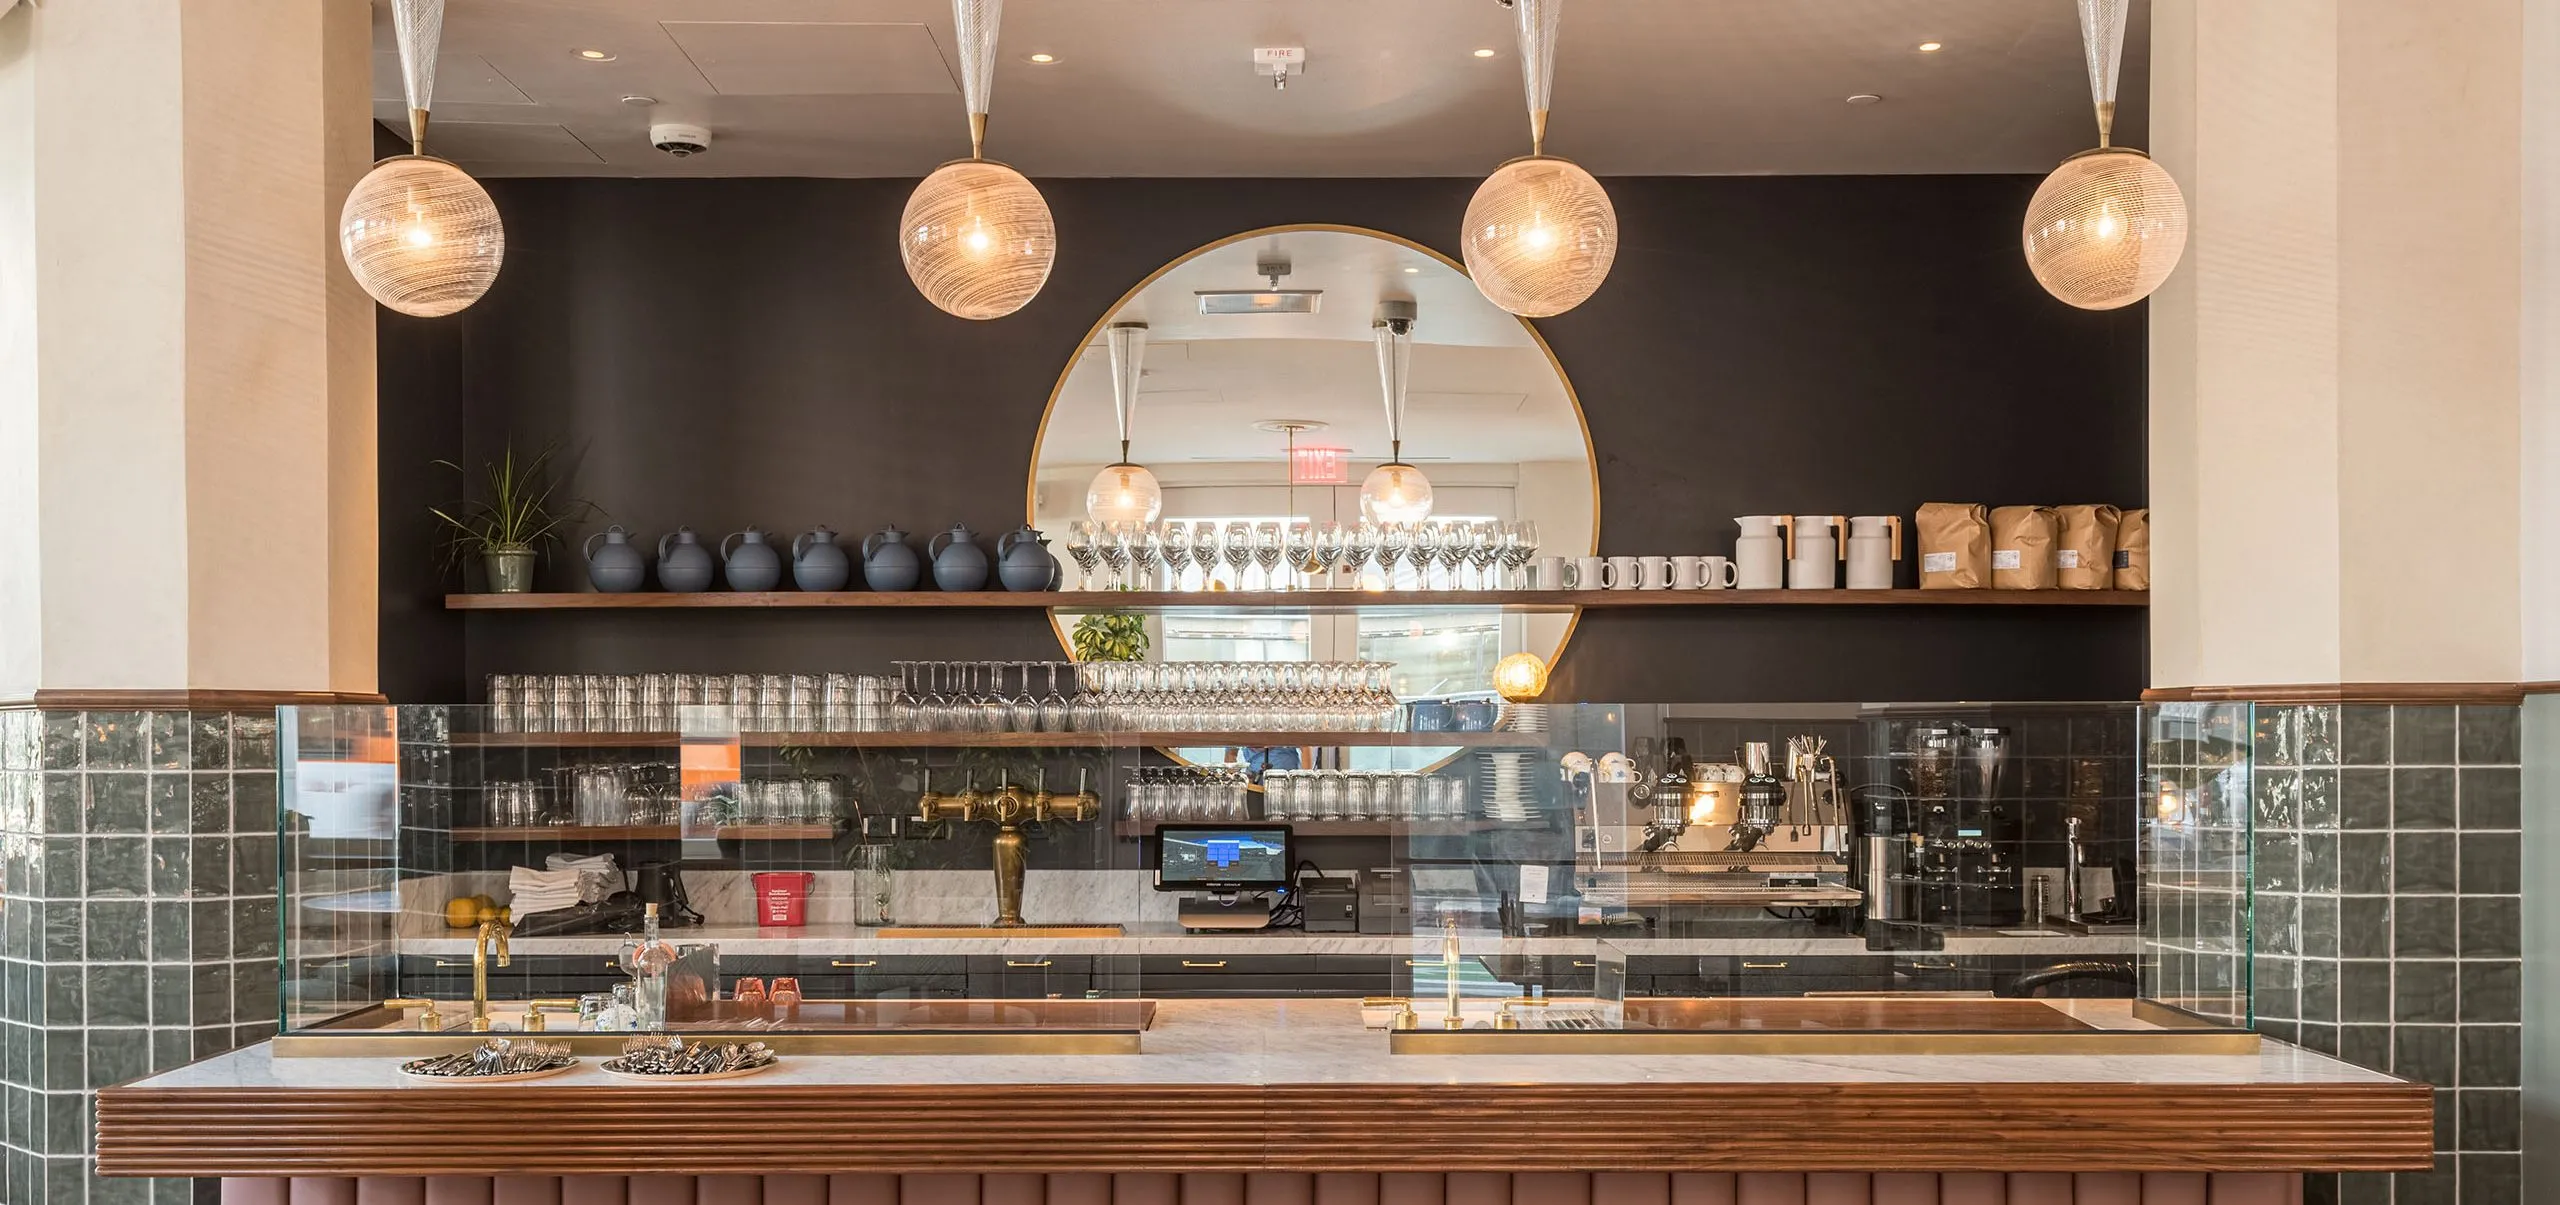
(533, 1019)
(1449, 973)
(492, 933)
(1504, 1018)
(430, 1020)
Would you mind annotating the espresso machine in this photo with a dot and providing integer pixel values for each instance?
(1938, 843)
(1755, 833)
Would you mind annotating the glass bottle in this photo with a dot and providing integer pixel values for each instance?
(650, 962)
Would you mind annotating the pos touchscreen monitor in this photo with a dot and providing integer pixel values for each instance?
(1222, 858)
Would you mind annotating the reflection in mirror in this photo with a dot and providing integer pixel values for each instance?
(1260, 399)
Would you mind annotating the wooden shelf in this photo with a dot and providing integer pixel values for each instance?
(645, 832)
(1015, 740)
(1299, 600)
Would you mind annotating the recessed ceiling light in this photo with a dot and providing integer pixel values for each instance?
(1932, 47)
(1412, 271)
(637, 99)
(1865, 98)
(1484, 52)
(596, 56)
(1044, 58)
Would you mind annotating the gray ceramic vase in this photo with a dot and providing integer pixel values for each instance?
(618, 567)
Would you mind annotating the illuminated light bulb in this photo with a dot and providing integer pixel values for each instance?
(2105, 229)
(977, 239)
(421, 236)
(1124, 493)
(1395, 492)
(1540, 235)
(1520, 677)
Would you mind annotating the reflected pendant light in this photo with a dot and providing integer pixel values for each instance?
(1395, 492)
(976, 236)
(1540, 233)
(420, 235)
(2109, 224)
(1124, 491)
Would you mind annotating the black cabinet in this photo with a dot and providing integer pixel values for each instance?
(1237, 976)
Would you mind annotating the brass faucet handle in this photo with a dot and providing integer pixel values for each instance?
(1502, 1017)
(533, 1020)
(1405, 1017)
(430, 1020)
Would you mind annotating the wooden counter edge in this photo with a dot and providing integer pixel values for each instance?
(533, 1129)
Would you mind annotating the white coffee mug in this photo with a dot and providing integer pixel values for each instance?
(1717, 571)
(1653, 573)
(1620, 574)
(1587, 573)
(1688, 572)
(1548, 572)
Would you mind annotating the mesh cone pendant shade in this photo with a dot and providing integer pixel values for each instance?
(976, 236)
(2109, 225)
(1540, 233)
(419, 234)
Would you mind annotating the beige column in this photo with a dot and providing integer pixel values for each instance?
(186, 369)
(2335, 486)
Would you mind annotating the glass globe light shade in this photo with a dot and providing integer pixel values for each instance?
(1520, 677)
(2105, 229)
(1540, 236)
(421, 236)
(1124, 493)
(1395, 492)
(977, 239)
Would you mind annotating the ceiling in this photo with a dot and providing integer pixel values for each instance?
(1482, 391)
(1167, 87)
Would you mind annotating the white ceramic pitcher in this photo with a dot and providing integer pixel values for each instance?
(1875, 543)
(1760, 552)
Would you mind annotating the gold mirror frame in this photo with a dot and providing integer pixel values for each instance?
(1040, 435)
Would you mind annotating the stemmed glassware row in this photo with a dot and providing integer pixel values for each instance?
(1247, 696)
(1469, 554)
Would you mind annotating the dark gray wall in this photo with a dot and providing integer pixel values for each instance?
(732, 351)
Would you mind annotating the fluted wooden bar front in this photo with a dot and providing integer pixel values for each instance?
(1294, 1086)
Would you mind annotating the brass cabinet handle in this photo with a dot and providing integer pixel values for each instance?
(442, 963)
(867, 962)
(1764, 966)
(1578, 965)
(1204, 966)
(1043, 962)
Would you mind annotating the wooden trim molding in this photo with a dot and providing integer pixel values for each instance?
(2541, 688)
(742, 1128)
(2411, 693)
(191, 700)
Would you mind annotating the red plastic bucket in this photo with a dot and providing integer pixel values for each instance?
(782, 898)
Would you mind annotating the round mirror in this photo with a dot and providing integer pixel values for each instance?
(1254, 378)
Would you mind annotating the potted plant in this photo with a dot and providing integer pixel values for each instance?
(508, 528)
(1110, 636)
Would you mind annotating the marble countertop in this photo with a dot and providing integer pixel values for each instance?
(1206, 1043)
(1171, 939)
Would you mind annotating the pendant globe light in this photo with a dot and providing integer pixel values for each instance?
(976, 236)
(2109, 224)
(420, 235)
(1395, 492)
(1124, 491)
(1540, 233)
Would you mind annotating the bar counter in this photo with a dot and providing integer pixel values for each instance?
(1283, 1086)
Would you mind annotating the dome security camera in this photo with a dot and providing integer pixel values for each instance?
(680, 139)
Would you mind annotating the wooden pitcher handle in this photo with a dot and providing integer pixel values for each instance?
(1840, 536)
(1893, 527)
(1789, 523)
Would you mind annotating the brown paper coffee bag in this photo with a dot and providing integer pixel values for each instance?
(2084, 555)
(2021, 548)
(2133, 550)
(1955, 546)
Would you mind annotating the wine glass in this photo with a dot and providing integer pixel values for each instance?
(1423, 545)
(1359, 544)
(1235, 544)
(1484, 551)
(1055, 715)
(1109, 544)
(1266, 552)
(1298, 545)
(1456, 544)
(1146, 551)
(1394, 541)
(1174, 540)
(1327, 552)
(1519, 544)
(1080, 545)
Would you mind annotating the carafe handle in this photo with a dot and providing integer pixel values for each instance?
(872, 542)
(724, 544)
(933, 547)
(1893, 528)
(800, 543)
(588, 549)
(1787, 523)
(1840, 535)
(663, 542)
(1005, 543)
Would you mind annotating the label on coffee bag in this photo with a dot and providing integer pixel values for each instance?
(2124, 559)
(2004, 558)
(2066, 558)
(1938, 562)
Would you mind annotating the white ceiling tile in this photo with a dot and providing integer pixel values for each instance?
(802, 58)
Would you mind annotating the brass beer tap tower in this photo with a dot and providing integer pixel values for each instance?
(1007, 807)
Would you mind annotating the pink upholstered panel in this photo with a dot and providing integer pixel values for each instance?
(1005, 1188)
(1476, 1188)
(477, 1190)
(257, 1192)
(1279, 1188)
(2040, 1188)
(2173, 1188)
(1842, 1188)
(778, 1190)
(1973, 1188)
(645, 1190)
(1079, 1188)
(1630, 1188)
(858, 1188)
(2106, 1188)
(545, 1190)
(321, 1190)
(584, 1190)
(1212, 1188)
(1769, 1188)
(1361, 1188)
(1702, 1188)
(1146, 1188)
(1409, 1188)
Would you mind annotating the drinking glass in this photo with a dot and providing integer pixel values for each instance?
(1110, 542)
(1022, 708)
(1235, 546)
(505, 703)
(1175, 541)
(1358, 790)
(1328, 796)
(1519, 544)
(1146, 551)
(1422, 543)
(1329, 538)
(874, 873)
(1394, 541)
(1081, 546)
(1484, 552)
(1298, 547)
(1055, 715)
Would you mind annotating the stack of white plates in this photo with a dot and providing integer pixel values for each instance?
(1524, 717)
(1507, 786)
